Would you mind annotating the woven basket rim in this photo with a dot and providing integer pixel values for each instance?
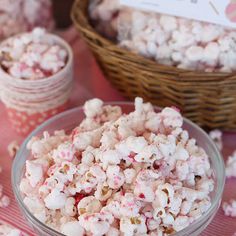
(172, 70)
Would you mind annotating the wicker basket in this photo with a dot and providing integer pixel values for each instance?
(208, 99)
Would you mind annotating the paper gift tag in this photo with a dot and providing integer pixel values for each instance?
(222, 12)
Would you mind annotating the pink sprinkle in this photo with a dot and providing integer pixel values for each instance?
(141, 195)
(63, 154)
(130, 204)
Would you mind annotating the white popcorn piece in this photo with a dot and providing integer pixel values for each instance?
(64, 152)
(172, 118)
(136, 144)
(70, 208)
(93, 107)
(113, 232)
(34, 173)
(168, 23)
(144, 193)
(110, 157)
(4, 201)
(9, 230)
(72, 228)
(129, 175)
(25, 187)
(231, 166)
(181, 222)
(230, 208)
(159, 213)
(89, 205)
(87, 157)
(55, 200)
(211, 52)
(96, 223)
(182, 170)
(130, 226)
(216, 136)
(195, 53)
(115, 178)
(103, 192)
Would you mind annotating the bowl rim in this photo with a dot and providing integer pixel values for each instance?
(214, 204)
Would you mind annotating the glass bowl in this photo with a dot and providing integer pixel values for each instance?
(70, 119)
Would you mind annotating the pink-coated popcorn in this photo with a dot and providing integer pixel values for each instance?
(134, 225)
(13, 148)
(72, 228)
(96, 223)
(34, 173)
(129, 175)
(231, 166)
(110, 157)
(89, 205)
(4, 200)
(8, 230)
(93, 108)
(55, 200)
(65, 152)
(169, 40)
(31, 56)
(144, 193)
(118, 174)
(23, 15)
(115, 178)
(216, 136)
(70, 208)
(230, 208)
(113, 232)
(181, 222)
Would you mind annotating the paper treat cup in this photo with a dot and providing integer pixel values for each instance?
(30, 102)
(24, 123)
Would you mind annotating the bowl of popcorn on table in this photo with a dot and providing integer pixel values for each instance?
(118, 169)
(36, 75)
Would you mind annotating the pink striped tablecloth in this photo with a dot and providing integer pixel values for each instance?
(91, 83)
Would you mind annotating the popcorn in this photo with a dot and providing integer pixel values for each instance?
(13, 148)
(31, 57)
(118, 174)
(70, 208)
(181, 222)
(19, 16)
(216, 136)
(133, 225)
(89, 205)
(55, 200)
(230, 208)
(93, 108)
(129, 175)
(231, 166)
(4, 200)
(113, 232)
(9, 230)
(96, 223)
(169, 40)
(72, 228)
(34, 173)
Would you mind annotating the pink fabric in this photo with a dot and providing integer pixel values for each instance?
(89, 82)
